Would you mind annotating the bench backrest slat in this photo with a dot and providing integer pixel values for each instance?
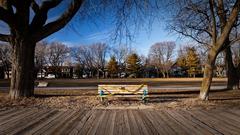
(122, 89)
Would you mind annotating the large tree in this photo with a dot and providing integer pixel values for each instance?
(133, 65)
(99, 51)
(192, 61)
(40, 57)
(120, 52)
(26, 29)
(57, 54)
(5, 58)
(161, 56)
(112, 67)
(209, 23)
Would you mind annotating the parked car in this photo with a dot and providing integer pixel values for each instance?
(40, 75)
(50, 76)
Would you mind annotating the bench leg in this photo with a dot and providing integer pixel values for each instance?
(101, 99)
(144, 99)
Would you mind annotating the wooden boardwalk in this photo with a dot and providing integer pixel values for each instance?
(119, 122)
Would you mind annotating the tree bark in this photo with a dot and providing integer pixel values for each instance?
(208, 75)
(232, 73)
(22, 81)
(164, 75)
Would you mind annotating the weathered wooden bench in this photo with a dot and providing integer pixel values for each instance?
(106, 91)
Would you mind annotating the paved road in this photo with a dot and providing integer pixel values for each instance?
(170, 87)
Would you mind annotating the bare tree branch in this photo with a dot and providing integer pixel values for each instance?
(228, 27)
(35, 6)
(232, 42)
(214, 25)
(189, 35)
(56, 25)
(41, 13)
(6, 16)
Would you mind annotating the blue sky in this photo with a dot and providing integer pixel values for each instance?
(86, 32)
(98, 28)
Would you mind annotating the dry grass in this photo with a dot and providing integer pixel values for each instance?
(75, 99)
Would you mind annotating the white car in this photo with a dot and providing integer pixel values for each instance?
(50, 76)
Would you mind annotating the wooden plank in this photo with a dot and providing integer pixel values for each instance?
(194, 119)
(212, 122)
(234, 127)
(11, 115)
(79, 125)
(189, 127)
(148, 122)
(4, 109)
(4, 112)
(234, 119)
(127, 130)
(90, 122)
(225, 118)
(29, 122)
(118, 125)
(133, 124)
(17, 117)
(140, 123)
(4, 126)
(43, 122)
(104, 125)
(111, 123)
(99, 122)
(53, 123)
(57, 126)
(172, 123)
(234, 111)
(158, 122)
(124, 89)
(71, 123)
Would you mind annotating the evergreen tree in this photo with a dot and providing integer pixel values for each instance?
(192, 61)
(133, 64)
(182, 62)
(112, 67)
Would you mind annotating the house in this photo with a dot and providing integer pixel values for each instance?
(59, 71)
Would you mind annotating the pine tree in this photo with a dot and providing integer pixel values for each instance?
(192, 61)
(181, 62)
(133, 64)
(112, 66)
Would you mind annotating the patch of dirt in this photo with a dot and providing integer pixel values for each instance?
(62, 102)
(224, 99)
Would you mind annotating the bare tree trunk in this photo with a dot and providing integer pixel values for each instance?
(208, 75)
(8, 74)
(232, 73)
(164, 75)
(22, 81)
